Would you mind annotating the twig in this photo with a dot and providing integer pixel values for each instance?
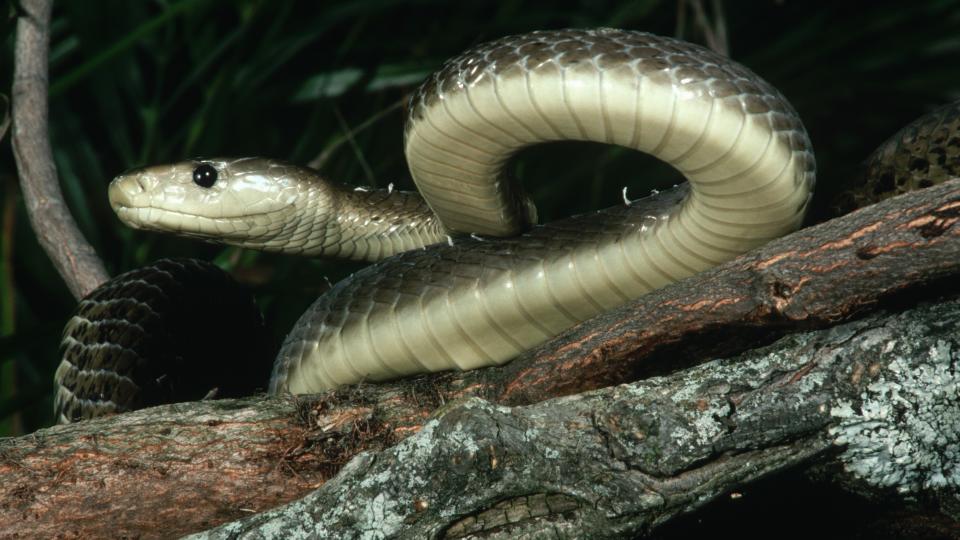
(715, 35)
(348, 135)
(720, 25)
(57, 232)
(5, 124)
(321, 160)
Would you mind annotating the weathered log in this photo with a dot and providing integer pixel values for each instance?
(209, 462)
(878, 396)
(129, 474)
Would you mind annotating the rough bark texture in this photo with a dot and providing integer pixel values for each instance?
(152, 474)
(73, 257)
(879, 396)
(211, 461)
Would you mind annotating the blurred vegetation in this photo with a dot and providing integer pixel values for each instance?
(135, 83)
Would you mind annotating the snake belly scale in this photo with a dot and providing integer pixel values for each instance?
(492, 283)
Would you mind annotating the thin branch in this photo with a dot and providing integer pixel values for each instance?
(324, 156)
(720, 26)
(357, 151)
(73, 257)
(678, 32)
(715, 34)
(5, 123)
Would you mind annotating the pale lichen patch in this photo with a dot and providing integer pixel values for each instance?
(905, 432)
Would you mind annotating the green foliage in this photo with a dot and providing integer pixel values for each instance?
(135, 83)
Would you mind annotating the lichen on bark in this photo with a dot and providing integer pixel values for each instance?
(624, 459)
(903, 430)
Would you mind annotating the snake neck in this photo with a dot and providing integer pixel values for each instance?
(271, 205)
(359, 224)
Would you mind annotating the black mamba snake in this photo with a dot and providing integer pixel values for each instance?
(447, 295)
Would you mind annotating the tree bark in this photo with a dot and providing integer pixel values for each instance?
(211, 462)
(71, 254)
(616, 461)
(621, 460)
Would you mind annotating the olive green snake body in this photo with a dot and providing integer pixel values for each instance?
(466, 278)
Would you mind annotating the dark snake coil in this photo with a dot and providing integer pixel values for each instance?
(177, 330)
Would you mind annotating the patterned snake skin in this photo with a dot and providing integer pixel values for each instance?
(923, 153)
(178, 330)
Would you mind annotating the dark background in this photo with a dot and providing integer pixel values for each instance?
(134, 83)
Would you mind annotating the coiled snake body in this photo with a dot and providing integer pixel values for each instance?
(471, 300)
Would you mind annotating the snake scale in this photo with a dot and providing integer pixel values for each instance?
(466, 278)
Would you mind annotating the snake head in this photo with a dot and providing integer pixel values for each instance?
(242, 201)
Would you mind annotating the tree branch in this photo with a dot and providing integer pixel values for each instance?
(269, 451)
(617, 461)
(624, 459)
(52, 222)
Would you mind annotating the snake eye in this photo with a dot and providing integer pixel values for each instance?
(204, 175)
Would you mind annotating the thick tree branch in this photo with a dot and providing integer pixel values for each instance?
(52, 222)
(624, 459)
(815, 277)
(615, 461)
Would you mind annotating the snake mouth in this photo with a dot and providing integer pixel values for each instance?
(226, 229)
(144, 201)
